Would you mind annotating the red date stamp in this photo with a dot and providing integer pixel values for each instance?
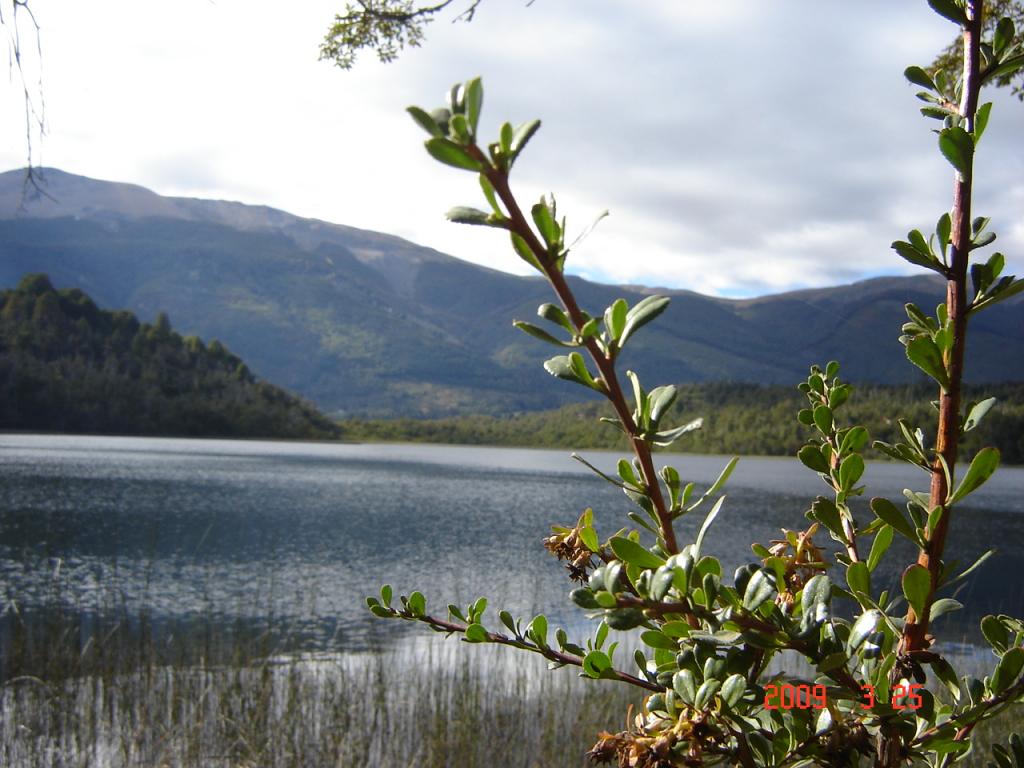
(786, 696)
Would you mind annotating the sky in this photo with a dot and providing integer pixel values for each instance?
(742, 147)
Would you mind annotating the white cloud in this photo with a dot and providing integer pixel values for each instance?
(742, 147)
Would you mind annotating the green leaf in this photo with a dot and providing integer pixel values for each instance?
(917, 585)
(984, 464)
(555, 315)
(669, 436)
(474, 100)
(522, 136)
(944, 228)
(561, 367)
(917, 240)
(1017, 745)
(684, 683)
(823, 419)
(631, 552)
(984, 239)
(981, 120)
(641, 314)
(818, 589)
(825, 512)
(949, 9)
(595, 663)
(918, 76)
(490, 195)
(1008, 67)
(996, 633)
(426, 121)
(942, 607)
(1004, 35)
(459, 128)
(589, 538)
(974, 566)
(924, 353)
(545, 221)
(854, 440)
(812, 458)
(705, 527)
(450, 153)
(522, 248)
(977, 413)
(957, 147)
(720, 481)
(540, 333)
(1008, 669)
(823, 724)
(1009, 288)
(944, 671)
(475, 633)
(661, 583)
(615, 318)
(733, 689)
(760, 588)
(417, 603)
(937, 113)
(706, 693)
(538, 630)
(582, 597)
(676, 629)
(571, 368)
(858, 577)
(862, 627)
(656, 639)
(661, 399)
(456, 98)
(850, 471)
(465, 215)
(911, 254)
(625, 470)
(879, 546)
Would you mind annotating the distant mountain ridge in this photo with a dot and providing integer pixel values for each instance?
(365, 323)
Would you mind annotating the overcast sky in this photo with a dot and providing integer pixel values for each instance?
(743, 147)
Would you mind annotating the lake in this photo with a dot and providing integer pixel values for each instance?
(231, 532)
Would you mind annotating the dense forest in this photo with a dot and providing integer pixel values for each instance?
(68, 366)
(738, 419)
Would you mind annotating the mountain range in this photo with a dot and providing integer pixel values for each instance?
(364, 323)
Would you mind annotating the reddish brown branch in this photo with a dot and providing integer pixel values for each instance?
(549, 653)
(948, 434)
(605, 364)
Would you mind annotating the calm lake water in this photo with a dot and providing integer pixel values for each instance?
(299, 533)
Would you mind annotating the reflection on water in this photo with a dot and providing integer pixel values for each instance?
(299, 533)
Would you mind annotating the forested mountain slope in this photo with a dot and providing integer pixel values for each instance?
(364, 323)
(68, 366)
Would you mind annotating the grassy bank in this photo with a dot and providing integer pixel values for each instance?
(738, 419)
(416, 707)
(114, 700)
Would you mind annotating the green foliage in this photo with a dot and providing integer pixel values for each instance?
(741, 418)
(68, 366)
(1002, 53)
(705, 642)
(383, 26)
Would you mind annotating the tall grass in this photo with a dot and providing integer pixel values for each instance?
(112, 689)
(101, 685)
(420, 705)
